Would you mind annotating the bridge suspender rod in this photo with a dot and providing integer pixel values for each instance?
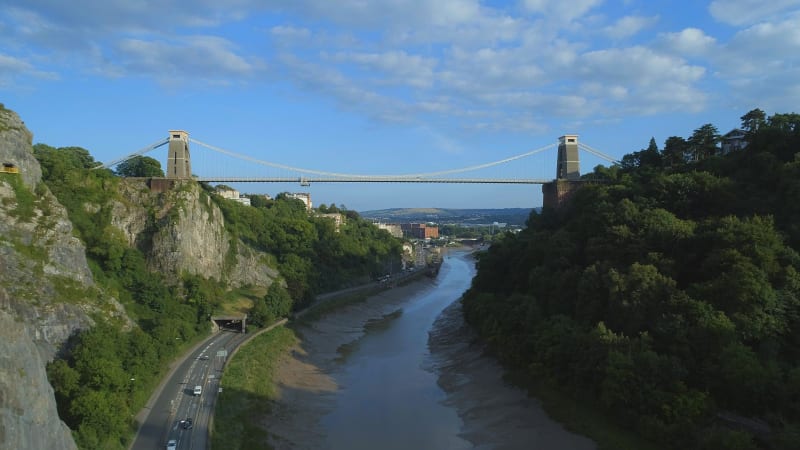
(149, 148)
(345, 175)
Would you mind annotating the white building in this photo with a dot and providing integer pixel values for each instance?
(304, 197)
(232, 194)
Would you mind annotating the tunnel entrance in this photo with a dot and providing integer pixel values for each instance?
(230, 323)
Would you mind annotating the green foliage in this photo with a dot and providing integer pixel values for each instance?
(140, 166)
(668, 294)
(108, 374)
(276, 303)
(248, 390)
(25, 200)
(313, 256)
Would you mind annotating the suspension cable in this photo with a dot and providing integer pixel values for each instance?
(345, 175)
(598, 153)
(140, 152)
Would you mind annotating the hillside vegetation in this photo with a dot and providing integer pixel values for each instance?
(106, 373)
(668, 295)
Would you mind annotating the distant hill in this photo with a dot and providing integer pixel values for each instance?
(510, 216)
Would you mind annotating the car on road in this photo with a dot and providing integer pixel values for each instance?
(198, 390)
(187, 423)
(172, 444)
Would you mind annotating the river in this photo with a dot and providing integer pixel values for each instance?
(402, 371)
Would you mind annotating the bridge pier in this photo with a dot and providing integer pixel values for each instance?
(568, 173)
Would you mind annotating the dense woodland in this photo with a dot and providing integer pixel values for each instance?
(668, 294)
(106, 374)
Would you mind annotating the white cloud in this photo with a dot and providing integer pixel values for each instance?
(653, 82)
(638, 66)
(394, 13)
(629, 26)
(561, 10)
(290, 32)
(12, 68)
(399, 66)
(760, 63)
(743, 12)
(207, 58)
(689, 42)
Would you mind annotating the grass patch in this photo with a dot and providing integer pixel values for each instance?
(248, 390)
(241, 300)
(73, 292)
(26, 201)
(581, 416)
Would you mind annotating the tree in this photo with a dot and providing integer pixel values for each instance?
(278, 300)
(260, 201)
(649, 157)
(703, 143)
(753, 120)
(675, 151)
(652, 146)
(140, 166)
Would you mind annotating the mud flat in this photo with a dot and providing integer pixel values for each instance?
(495, 414)
(305, 376)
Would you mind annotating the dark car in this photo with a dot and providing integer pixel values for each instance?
(187, 423)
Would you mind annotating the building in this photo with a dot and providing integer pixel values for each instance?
(420, 230)
(393, 229)
(338, 219)
(232, 194)
(304, 197)
(733, 141)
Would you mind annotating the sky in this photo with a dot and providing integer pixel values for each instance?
(393, 86)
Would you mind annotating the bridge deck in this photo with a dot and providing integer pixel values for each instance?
(370, 180)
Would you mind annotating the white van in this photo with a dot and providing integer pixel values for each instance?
(198, 390)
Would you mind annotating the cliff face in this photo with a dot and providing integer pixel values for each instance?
(28, 416)
(183, 231)
(46, 294)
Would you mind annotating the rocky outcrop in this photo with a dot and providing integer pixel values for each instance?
(46, 294)
(28, 416)
(15, 147)
(183, 231)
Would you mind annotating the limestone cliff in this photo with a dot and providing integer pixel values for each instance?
(28, 416)
(182, 230)
(46, 294)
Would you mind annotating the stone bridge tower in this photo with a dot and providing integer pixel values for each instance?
(179, 165)
(568, 173)
(569, 166)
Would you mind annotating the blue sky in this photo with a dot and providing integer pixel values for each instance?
(393, 86)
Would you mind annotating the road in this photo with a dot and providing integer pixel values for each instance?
(174, 400)
(203, 367)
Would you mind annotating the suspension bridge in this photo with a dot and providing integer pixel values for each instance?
(180, 162)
